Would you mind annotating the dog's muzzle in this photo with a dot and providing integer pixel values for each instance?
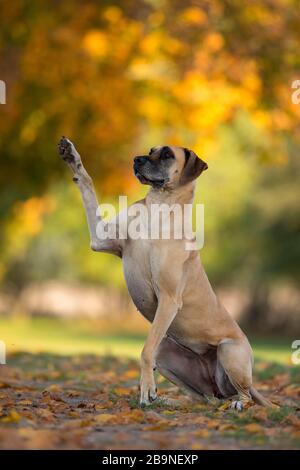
(139, 162)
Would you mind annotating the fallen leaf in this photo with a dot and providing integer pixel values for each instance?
(202, 433)
(46, 414)
(12, 417)
(131, 374)
(53, 388)
(104, 418)
(73, 393)
(213, 424)
(4, 385)
(197, 446)
(169, 412)
(227, 427)
(158, 426)
(121, 391)
(131, 416)
(25, 402)
(253, 428)
(224, 407)
(294, 420)
(103, 406)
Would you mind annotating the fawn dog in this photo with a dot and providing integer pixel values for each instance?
(193, 341)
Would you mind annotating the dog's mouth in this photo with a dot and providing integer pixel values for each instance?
(157, 183)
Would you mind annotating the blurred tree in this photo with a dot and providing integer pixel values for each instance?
(120, 76)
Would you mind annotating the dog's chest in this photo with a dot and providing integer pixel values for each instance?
(138, 277)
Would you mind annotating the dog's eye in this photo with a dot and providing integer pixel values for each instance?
(167, 154)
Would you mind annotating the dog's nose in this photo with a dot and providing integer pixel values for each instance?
(140, 160)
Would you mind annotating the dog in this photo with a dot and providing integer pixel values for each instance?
(193, 341)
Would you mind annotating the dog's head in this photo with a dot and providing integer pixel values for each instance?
(168, 167)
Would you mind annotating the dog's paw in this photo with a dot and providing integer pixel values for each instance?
(65, 149)
(148, 393)
(68, 152)
(237, 405)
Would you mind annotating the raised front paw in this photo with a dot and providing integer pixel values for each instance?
(148, 392)
(69, 153)
(65, 149)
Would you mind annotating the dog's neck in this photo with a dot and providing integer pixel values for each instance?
(179, 195)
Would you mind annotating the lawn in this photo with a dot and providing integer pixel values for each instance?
(84, 337)
(74, 385)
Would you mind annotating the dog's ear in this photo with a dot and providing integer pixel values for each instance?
(193, 167)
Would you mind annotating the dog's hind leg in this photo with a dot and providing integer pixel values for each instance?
(235, 358)
(188, 370)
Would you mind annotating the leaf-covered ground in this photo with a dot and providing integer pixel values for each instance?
(90, 402)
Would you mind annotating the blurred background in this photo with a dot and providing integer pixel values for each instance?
(118, 78)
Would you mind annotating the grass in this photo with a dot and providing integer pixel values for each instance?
(51, 401)
(66, 337)
(67, 380)
(70, 337)
(272, 349)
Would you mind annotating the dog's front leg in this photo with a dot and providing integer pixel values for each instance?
(70, 155)
(165, 313)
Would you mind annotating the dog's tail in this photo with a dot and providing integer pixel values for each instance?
(259, 399)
